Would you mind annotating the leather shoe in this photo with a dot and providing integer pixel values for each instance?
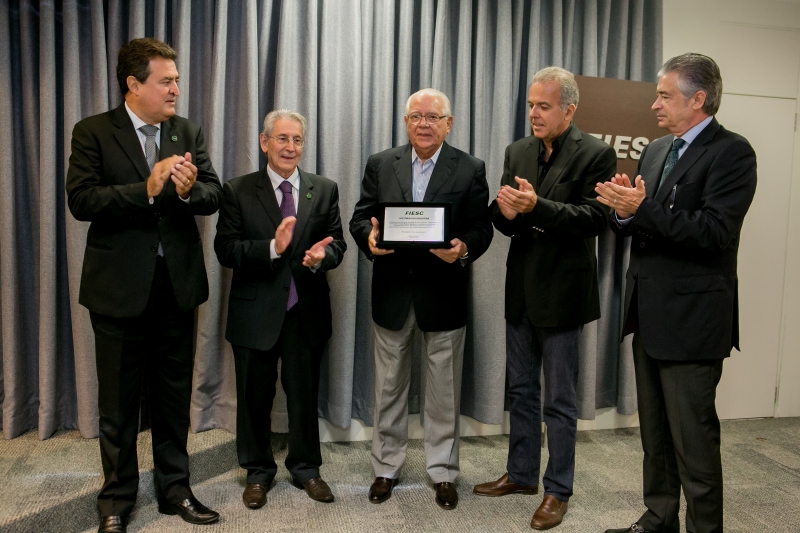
(635, 528)
(446, 495)
(503, 486)
(381, 489)
(255, 495)
(316, 489)
(549, 513)
(112, 524)
(190, 510)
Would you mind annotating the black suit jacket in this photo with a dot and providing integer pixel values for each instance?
(551, 269)
(106, 185)
(685, 239)
(437, 289)
(248, 218)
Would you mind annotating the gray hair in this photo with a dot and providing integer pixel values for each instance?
(697, 72)
(273, 117)
(564, 79)
(435, 94)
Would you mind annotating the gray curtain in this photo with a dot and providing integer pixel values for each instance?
(348, 66)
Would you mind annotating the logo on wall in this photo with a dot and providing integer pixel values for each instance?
(618, 112)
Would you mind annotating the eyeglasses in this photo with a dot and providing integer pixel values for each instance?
(283, 140)
(430, 118)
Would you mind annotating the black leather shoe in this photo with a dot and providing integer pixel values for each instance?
(381, 489)
(255, 495)
(316, 489)
(190, 510)
(446, 495)
(635, 528)
(112, 524)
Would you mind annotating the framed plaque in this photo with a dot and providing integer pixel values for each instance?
(414, 225)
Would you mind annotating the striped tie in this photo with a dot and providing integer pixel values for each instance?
(151, 154)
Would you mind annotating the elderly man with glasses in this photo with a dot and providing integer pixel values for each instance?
(421, 289)
(279, 230)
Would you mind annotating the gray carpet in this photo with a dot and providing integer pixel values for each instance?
(51, 486)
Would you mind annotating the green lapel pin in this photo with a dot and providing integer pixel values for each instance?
(308, 196)
(174, 138)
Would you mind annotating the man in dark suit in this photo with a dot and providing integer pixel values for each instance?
(423, 289)
(279, 230)
(547, 205)
(140, 174)
(684, 214)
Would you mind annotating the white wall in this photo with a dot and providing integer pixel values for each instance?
(757, 45)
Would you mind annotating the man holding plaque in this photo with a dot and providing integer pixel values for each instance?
(548, 207)
(421, 288)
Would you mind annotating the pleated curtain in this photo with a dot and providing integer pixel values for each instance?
(348, 66)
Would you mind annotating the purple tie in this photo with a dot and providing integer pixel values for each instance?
(287, 210)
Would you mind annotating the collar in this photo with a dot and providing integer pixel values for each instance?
(695, 130)
(277, 179)
(434, 157)
(137, 122)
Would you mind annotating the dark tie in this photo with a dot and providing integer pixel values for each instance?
(151, 154)
(672, 158)
(287, 210)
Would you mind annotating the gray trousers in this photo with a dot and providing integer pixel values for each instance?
(443, 364)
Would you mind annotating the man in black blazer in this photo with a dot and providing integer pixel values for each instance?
(423, 289)
(279, 230)
(547, 205)
(140, 174)
(684, 213)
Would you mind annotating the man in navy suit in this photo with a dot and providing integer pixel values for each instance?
(684, 214)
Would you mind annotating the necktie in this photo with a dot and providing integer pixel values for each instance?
(672, 158)
(151, 154)
(287, 210)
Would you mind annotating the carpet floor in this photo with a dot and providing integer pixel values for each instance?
(51, 486)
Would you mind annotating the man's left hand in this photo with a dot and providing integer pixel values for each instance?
(520, 201)
(621, 196)
(458, 249)
(316, 253)
(184, 175)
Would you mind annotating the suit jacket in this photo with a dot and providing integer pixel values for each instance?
(248, 218)
(685, 239)
(551, 269)
(437, 289)
(106, 185)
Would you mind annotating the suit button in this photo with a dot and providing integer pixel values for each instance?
(641, 245)
(410, 270)
(285, 289)
(154, 248)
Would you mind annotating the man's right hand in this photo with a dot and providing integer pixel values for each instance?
(161, 173)
(283, 235)
(373, 240)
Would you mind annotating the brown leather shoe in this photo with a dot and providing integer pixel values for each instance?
(446, 495)
(503, 486)
(381, 489)
(549, 513)
(255, 495)
(316, 489)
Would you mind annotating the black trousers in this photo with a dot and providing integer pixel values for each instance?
(681, 439)
(256, 376)
(154, 352)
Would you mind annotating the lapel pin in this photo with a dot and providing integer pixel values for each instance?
(308, 196)
(174, 138)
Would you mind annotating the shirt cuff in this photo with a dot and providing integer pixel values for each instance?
(273, 255)
(185, 200)
(622, 222)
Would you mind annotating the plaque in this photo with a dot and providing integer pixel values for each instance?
(414, 225)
